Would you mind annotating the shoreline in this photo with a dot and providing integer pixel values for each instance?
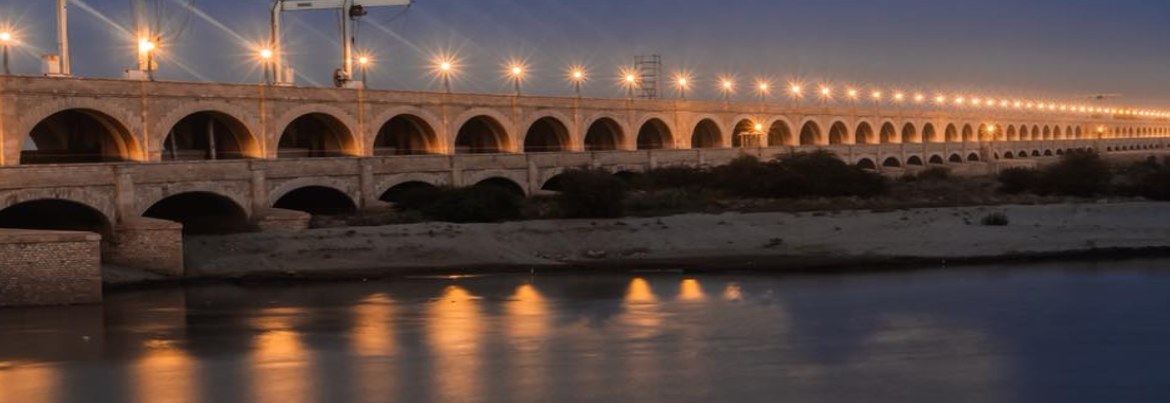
(798, 243)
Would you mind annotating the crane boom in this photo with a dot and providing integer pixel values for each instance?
(349, 11)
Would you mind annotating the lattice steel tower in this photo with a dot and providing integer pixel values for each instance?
(649, 69)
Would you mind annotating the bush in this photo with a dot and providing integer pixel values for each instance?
(822, 174)
(1018, 180)
(1079, 173)
(935, 174)
(591, 194)
(474, 204)
(674, 177)
(995, 220)
(1148, 179)
(745, 177)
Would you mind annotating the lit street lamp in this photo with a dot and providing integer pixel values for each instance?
(728, 87)
(364, 65)
(577, 76)
(5, 41)
(516, 72)
(683, 82)
(763, 88)
(146, 49)
(445, 68)
(630, 81)
(266, 61)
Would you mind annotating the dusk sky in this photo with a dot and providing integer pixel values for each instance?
(1055, 49)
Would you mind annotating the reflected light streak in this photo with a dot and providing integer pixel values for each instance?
(31, 382)
(164, 371)
(278, 363)
(454, 332)
(732, 292)
(639, 292)
(372, 334)
(691, 290)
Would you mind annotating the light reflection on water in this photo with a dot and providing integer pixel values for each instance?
(1058, 333)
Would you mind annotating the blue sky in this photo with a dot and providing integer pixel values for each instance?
(1059, 49)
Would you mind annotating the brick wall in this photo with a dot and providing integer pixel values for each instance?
(49, 268)
(148, 244)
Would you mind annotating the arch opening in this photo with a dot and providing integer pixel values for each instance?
(503, 184)
(838, 133)
(546, 135)
(55, 215)
(315, 135)
(810, 134)
(481, 135)
(956, 158)
(969, 134)
(208, 135)
(654, 135)
(866, 163)
(745, 134)
(201, 213)
(78, 136)
(603, 135)
(914, 160)
(889, 135)
(779, 134)
(892, 162)
(397, 193)
(936, 160)
(929, 134)
(405, 135)
(706, 135)
(317, 200)
(910, 134)
(864, 134)
(953, 134)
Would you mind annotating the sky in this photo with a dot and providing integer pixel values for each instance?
(1060, 50)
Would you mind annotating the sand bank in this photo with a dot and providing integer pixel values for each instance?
(762, 241)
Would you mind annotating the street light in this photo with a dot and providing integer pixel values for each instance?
(630, 81)
(364, 65)
(444, 68)
(683, 82)
(146, 49)
(577, 76)
(266, 60)
(5, 41)
(727, 86)
(516, 72)
(763, 88)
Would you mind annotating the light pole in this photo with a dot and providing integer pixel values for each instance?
(5, 40)
(577, 76)
(364, 65)
(683, 83)
(728, 87)
(763, 88)
(631, 82)
(517, 74)
(266, 61)
(445, 68)
(146, 48)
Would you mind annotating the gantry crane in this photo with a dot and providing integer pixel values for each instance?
(349, 11)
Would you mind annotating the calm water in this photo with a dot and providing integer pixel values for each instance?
(1060, 332)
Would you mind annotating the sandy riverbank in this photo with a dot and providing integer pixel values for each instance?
(764, 241)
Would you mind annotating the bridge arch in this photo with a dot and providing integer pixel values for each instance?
(482, 134)
(79, 136)
(745, 128)
(1047, 132)
(1011, 133)
(706, 134)
(210, 135)
(316, 134)
(57, 214)
(385, 184)
(655, 134)
(406, 131)
(605, 133)
(780, 133)
(810, 133)
(952, 134)
(864, 134)
(201, 213)
(316, 200)
(929, 134)
(839, 133)
(547, 133)
(889, 134)
(910, 133)
(279, 190)
(969, 134)
(1036, 133)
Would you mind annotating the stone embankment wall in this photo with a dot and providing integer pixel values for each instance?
(49, 267)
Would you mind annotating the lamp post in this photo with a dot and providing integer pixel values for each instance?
(631, 82)
(683, 83)
(577, 76)
(6, 40)
(266, 61)
(763, 88)
(146, 49)
(517, 74)
(364, 65)
(727, 87)
(445, 68)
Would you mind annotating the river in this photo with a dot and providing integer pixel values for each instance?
(1060, 332)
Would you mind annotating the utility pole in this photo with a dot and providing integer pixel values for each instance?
(64, 66)
(349, 11)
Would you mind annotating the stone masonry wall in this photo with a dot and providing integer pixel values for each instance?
(49, 268)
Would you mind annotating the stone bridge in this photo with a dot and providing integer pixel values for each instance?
(130, 159)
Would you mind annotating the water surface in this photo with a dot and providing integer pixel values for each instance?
(1084, 332)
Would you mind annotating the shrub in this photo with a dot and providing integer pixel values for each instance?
(1018, 180)
(935, 174)
(995, 220)
(474, 204)
(591, 194)
(745, 177)
(417, 198)
(1079, 173)
(675, 177)
(1148, 179)
(822, 174)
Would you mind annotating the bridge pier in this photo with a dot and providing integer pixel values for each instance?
(147, 244)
